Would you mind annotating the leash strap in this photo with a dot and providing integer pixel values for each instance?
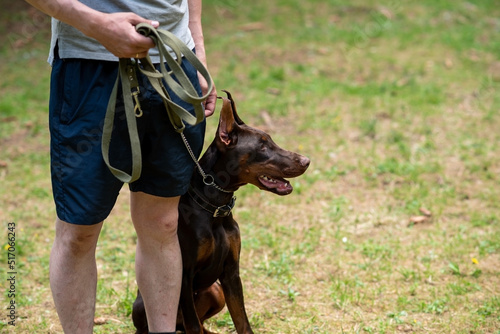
(176, 79)
(126, 74)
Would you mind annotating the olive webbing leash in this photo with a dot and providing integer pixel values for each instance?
(183, 88)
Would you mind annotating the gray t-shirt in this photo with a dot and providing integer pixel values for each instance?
(173, 16)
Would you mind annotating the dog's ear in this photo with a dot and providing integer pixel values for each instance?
(233, 106)
(227, 123)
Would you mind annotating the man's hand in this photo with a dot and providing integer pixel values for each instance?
(211, 100)
(116, 32)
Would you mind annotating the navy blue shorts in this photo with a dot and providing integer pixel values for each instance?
(84, 189)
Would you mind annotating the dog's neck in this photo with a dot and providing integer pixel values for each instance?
(214, 166)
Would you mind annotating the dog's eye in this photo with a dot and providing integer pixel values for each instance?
(264, 144)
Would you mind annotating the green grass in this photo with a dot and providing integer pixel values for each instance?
(397, 105)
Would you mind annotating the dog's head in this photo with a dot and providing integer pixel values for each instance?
(251, 156)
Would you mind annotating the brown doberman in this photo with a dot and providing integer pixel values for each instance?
(208, 234)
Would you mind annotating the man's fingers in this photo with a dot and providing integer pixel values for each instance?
(143, 44)
(119, 35)
(210, 103)
(136, 19)
(211, 99)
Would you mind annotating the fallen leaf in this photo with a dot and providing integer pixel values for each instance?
(418, 219)
(267, 119)
(100, 321)
(387, 13)
(273, 91)
(425, 212)
(253, 26)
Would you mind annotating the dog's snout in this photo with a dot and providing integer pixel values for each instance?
(304, 161)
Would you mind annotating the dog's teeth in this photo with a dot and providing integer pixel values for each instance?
(267, 178)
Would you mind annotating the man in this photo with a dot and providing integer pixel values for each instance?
(88, 38)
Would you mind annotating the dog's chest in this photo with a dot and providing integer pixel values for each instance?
(214, 247)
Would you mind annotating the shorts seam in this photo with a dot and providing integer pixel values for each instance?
(59, 173)
(58, 170)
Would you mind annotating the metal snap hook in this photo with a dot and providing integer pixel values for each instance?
(137, 107)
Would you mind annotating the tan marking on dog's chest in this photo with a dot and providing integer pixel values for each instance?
(205, 249)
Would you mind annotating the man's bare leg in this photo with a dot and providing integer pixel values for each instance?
(158, 260)
(73, 275)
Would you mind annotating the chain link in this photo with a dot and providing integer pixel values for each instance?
(206, 177)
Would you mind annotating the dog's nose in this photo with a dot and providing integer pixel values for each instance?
(304, 161)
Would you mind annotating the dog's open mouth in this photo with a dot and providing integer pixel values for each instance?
(276, 184)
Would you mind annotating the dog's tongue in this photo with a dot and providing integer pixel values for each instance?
(282, 186)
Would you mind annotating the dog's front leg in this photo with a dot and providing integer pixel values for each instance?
(233, 292)
(139, 315)
(192, 324)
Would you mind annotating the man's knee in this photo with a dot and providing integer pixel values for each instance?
(160, 226)
(154, 217)
(76, 239)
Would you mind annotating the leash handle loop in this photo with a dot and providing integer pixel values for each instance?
(181, 85)
(176, 79)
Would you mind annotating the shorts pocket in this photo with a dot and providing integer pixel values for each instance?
(86, 89)
(71, 80)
